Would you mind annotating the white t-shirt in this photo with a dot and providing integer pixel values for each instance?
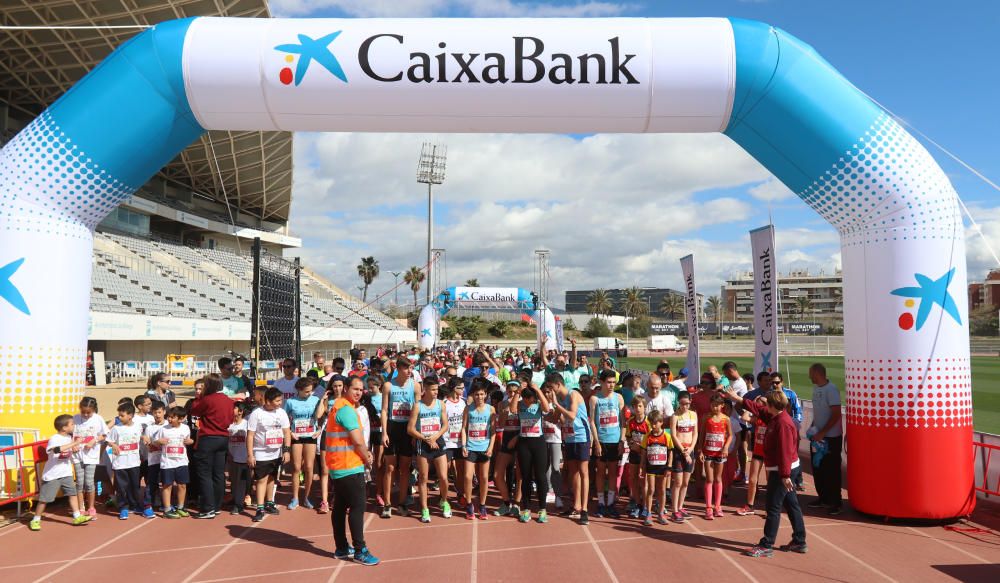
(174, 454)
(740, 386)
(59, 465)
(455, 412)
(238, 442)
(90, 429)
(366, 424)
(287, 387)
(143, 421)
(662, 403)
(678, 384)
(128, 438)
(551, 431)
(268, 435)
(155, 449)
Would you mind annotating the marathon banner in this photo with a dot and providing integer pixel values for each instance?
(802, 328)
(675, 328)
(765, 313)
(693, 362)
(560, 338)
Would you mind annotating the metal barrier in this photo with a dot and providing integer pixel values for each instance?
(984, 454)
(15, 463)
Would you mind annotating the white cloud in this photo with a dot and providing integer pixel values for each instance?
(771, 189)
(425, 8)
(979, 257)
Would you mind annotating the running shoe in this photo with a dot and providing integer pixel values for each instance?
(483, 514)
(759, 551)
(568, 511)
(404, 510)
(515, 510)
(183, 513)
(795, 547)
(678, 518)
(365, 557)
(648, 521)
(573, 515)
(686, 514)
(644, 513)
(834, 511)
(634, 512)
(524, 516)
(543, 517)
(147, 512)
(81, 519)
(293, 504)
(111, 503)
(661, 518)
(708, 514)
(425, 515)
(344, 554)
(718, 512)
(503, 510)
(92, 513)
(323, 507)
(612, 512)
(207, 515)
(632, 506)
(745, 511)
(259, 516)
(386, 511)
(172, 514)
(123, 514)
(559, 504)
(470, 512)
(445, 509)
(307, 504)
(600, 511)
(817, 503)
(584, 520)
(35, 524)
(236, 510)
(271, 508)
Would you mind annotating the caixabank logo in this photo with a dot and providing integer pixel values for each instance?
(528, 60)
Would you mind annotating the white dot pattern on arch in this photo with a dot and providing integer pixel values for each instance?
(885, 188)
(49, 185)
(36, 380)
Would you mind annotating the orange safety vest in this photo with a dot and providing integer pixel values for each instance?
(340, 454)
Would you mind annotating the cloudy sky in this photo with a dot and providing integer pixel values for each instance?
(619, 210)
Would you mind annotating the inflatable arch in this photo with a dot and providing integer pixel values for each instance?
(908, 407)
(525, 301)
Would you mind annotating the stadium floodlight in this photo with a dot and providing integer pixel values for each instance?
(430, 171)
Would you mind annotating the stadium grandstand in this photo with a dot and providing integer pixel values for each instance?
(172, 271)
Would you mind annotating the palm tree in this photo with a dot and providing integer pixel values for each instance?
(474, 282)
(599, 302)
(671, 305)
(414, 276)
(367, 271)
(713, 307)
(803, 304)
(633, 302)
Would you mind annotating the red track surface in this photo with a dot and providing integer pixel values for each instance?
(297, 546)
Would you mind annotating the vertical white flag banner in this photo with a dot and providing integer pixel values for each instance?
(693, 362)
(560, 335)
(765, 300)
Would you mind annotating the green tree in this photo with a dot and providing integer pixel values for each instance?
(414, 276)
(474, 282)
(599, 302)
(983, 321)
(447, 333)
(500, 328)
(467, 327)
(367, 271)
(672, 305)
(713, 307)
(596, 327)
(803, 305)
(640, 327)
(568, 324)
(633, 302)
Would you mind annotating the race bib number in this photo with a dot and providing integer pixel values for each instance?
(567, 429)
(430, 425)
(549, 428)
(238, 438)
(128, 444)
(273, 437)
(513, 422)
(86, 434)
(303, 426)
(608, 418)
(656, 455)
(174, 449)
(401, 410)
(685, 428)
(759, 436)
(636, 440)
(531, 427)
(714, 441)
(477, 431)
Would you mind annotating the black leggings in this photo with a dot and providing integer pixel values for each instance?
(349, 492)
(533, 457)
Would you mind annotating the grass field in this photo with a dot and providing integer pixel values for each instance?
(985, 379)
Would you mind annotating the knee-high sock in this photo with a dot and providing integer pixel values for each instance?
(708, 494)
(718, 494)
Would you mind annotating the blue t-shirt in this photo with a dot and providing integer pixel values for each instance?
(301, 415)
(479, 429)
(347, 417)
(608, 421)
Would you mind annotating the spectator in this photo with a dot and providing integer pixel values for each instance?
(826, 430)
(158, 389)
(215, 414)
(239, 365)
(232, 385)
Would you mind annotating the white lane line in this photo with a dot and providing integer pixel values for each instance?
(731, 560)
(220, 552)
(600, 555)
(11, 529)
(336, 572)
(950, 546)
(93, 550)
(854, 558)
(475, 549)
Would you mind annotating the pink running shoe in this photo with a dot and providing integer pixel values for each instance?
(92, 513)
(708, 513)
(718, 512)
(745, 511)
(323, 507)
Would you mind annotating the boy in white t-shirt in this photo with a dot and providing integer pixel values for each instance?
(239, 473)
(144, 419)
(124, 440)
(173, 441)
(58, 473)
(269, 439)
(149, 438)
(91, 429)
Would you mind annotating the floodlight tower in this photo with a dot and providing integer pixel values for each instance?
(542, 283)
(430, 171)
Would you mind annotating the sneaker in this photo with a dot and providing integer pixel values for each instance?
(584, 520)
(685, 514)
(81, 519)
(207, 515)
(648, 521)
(515, 510)
(677, 517)
(612, 512)
(404, 510)
(800, 487)
(307, 504)
(524, 516)
(293, 504)
(600, 511)
(708, 514)
(183, 513)
(323, 507)
(661, 518)
(259, 516)
(718, 512)
(483, 514)
(445, 509)
(543, 517)
(470, 512)
(378, 500)
(147, 512)
(631, 506)
(644, 513)
(123, 514)
(425, 515)
(634, 513)
(817, 503)
(236, 511)
(271, 508)
(573, 514)
(111, 503)
(92, 513)
(365, 558)
(344, 554)
(35, 524)
(834, 511)
(171, 514)
(794, 547)
(745, 511)
(759, 551)
(386, 512)
(503, 510)
(559, 505)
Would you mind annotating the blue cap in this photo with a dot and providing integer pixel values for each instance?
(683, 372)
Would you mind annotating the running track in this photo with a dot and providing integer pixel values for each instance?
(297, 546)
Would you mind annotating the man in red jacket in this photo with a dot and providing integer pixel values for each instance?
(781, 460)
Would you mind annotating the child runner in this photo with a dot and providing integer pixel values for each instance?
(510, 494)
(373, 401)
(239, 473)
(532, 452)
(655, 454)
(149, 438)
(607, 416)
(124, 441)
(303, 410)
(684, 432)
(143, 419)
(454, 407)
(268, 442)
(553, 441)
(717, 437)
(90, 429)
(399, 395)
(570, 410)
(428, 424)
(58, 472)
(478, 439)
(638, 427)
(173, 441)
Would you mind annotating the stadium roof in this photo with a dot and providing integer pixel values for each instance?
(38, 65)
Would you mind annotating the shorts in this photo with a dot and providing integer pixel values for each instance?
(85, 476)
(266, 468)
(679, 464)
(304, 441)
(576, 452)
(171, 476)
(376, 439)
(400, 442)
(505, 447)
(423, 450)
(758, 457)
(454, 453)
(634, 457)
(610, 452)
(51, 488)
(656, 470)
(715, 459)
(477, 457)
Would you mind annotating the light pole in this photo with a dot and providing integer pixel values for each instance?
(395, 275)
(430, 171)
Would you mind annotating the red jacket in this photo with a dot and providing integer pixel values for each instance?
(215, 414)
(781, 442)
